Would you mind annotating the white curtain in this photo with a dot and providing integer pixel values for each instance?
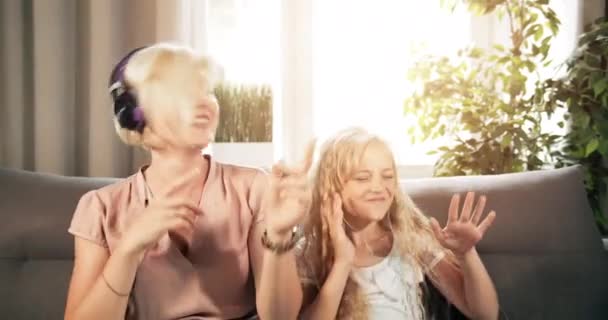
(56, 56)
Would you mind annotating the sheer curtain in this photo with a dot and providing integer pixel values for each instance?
(56, 56)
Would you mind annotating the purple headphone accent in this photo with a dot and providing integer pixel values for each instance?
(138, 114)
(127, 112)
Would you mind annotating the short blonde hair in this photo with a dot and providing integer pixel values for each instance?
(145, 73)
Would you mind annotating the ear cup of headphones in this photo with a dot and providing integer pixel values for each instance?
(128, 114)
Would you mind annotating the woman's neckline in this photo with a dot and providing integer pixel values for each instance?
(142, 183)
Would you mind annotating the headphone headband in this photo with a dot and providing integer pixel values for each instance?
(126, 110)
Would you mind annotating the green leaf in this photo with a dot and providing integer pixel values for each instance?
(535, 49)
(599, 87)
(530, 65)
(603, 148)
(554, 26)
(499, 130)
(499, 47)
(506, 141)
(547, 41)
(538, 33)
(493, 101)
(591, 147)
(581, 120)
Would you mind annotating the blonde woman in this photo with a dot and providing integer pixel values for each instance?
(185, 237)
(367, 247)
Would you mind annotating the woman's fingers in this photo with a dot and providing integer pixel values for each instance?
(180, 203)
(186, 214)
(291, 183)
(281, 169)
(306, 162)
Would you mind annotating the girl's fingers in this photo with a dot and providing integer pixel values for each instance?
(453, 210)
(481, 204)
(467, 207)
(487, 222)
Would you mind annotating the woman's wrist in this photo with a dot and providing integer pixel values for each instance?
(280, 243)
(278, 236)
(129, 253)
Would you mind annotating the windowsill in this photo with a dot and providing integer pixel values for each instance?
(412, 171)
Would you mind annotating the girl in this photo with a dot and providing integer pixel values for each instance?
(185, 237)
(367, 247)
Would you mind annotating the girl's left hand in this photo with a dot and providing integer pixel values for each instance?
(462, 232)
(344, 248)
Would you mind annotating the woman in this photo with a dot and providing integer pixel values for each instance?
(185, 237)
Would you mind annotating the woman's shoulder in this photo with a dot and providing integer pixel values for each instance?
(118, 189)
(249, 176)
(240, 170)
(93, 208)
(250, 181)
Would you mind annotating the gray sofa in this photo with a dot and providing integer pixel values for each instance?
(544, 252)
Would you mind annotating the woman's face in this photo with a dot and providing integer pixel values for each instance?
(369, 191)
(187, 114)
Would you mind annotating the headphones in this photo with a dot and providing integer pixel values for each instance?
(128, 114)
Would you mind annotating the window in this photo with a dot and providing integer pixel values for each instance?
(361, 54)
(337, 63)
(244, 36)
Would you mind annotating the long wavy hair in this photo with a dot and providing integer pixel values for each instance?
(412, 233)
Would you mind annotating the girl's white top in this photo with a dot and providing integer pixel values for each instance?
(391, 286)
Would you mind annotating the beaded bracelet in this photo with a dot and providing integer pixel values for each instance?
(280, 248)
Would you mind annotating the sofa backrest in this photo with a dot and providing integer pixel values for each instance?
(36, 251)
(544, 251)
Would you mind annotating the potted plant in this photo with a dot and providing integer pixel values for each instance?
(583, 91)
(244, 134)
(484, 101)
